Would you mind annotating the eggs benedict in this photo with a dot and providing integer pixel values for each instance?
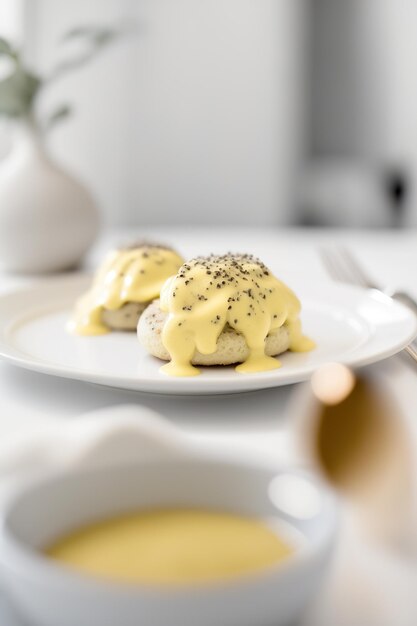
(221, 310)
(127, 281)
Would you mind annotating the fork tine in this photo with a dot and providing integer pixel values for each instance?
(335, 265)
(330, 263)
(345, 271)
(327, 260)
(361, 277)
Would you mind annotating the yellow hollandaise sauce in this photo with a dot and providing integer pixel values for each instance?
(130, 275)
(239, 290)
(172, 546)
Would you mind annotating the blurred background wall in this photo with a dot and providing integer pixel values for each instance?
(363, 116)
(199, 117)
(238, 111)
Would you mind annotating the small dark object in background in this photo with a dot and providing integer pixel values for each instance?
(397, 190)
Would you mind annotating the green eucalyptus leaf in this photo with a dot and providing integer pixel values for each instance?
(61, 113)
(79, 31)
(95, 39)
(17, 92)
(68, 65)
(103, 37)
(6, 48)
(96, 35)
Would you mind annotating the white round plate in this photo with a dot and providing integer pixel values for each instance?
(349, 325)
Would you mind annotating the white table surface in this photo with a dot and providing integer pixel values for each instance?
(368, 585)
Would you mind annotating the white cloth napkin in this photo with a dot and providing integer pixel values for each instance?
(110, 435)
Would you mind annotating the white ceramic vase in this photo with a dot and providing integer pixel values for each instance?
(48, 220)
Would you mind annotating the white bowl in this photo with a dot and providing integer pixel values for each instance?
(48, 594)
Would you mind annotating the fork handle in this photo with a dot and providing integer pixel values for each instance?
(406, 299)
(411, 351)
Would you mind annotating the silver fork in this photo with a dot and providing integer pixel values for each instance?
(342, 266)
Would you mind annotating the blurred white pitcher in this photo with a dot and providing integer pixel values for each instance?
(350, 430)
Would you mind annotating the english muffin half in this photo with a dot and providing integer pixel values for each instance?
(231, 345)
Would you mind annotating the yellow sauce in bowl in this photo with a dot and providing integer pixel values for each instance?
(130, 275)
(172, 546)
(239, 290)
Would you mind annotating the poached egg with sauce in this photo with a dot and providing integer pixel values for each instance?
(238, 290)
(129, 275)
